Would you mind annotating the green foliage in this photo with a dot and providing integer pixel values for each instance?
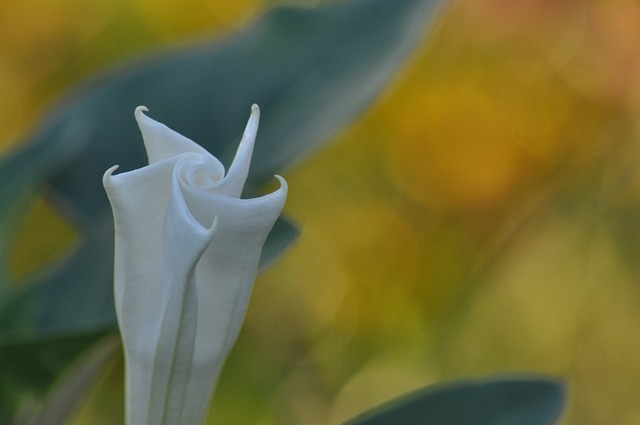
(35, 363)
(312, 71)
(495, 401)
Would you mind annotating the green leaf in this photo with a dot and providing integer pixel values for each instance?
(21, 173)
(284, 232)
(77, 298)
(34, 364)
(493, 401)
(74, 387)
(312, 71)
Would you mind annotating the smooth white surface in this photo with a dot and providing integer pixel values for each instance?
(186, 256)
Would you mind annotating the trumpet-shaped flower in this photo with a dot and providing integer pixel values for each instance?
(186, 256)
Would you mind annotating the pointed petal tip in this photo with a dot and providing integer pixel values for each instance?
(139, 113)
(140, 110)
(106, 178)
(254, 119)
(283, 183)
(252, 125)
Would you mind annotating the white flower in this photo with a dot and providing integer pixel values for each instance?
(186, 256)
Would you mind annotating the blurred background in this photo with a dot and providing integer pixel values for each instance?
(482, 217)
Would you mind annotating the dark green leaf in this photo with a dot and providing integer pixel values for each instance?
(34, 364)
(494, 401)
(21, 173)
(75, 386)
(78, 297)
(284, 232)
(312, 71)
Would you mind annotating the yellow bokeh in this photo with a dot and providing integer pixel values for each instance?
(44, 237)
(173, 19)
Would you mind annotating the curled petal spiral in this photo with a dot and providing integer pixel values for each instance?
(186, 256)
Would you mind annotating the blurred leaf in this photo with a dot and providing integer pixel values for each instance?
(284, 232)
(78, 297)
(9, 403)
(312, 71)
(495, 401)
(33, 364)
(74, 388)
(21, 174)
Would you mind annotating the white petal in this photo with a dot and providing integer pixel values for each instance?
(155, 291)
(224, 280)
(139, 199)
(184, 243)
(181, 287)
(239, 169)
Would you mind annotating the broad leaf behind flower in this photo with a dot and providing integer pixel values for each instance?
(312, 71)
